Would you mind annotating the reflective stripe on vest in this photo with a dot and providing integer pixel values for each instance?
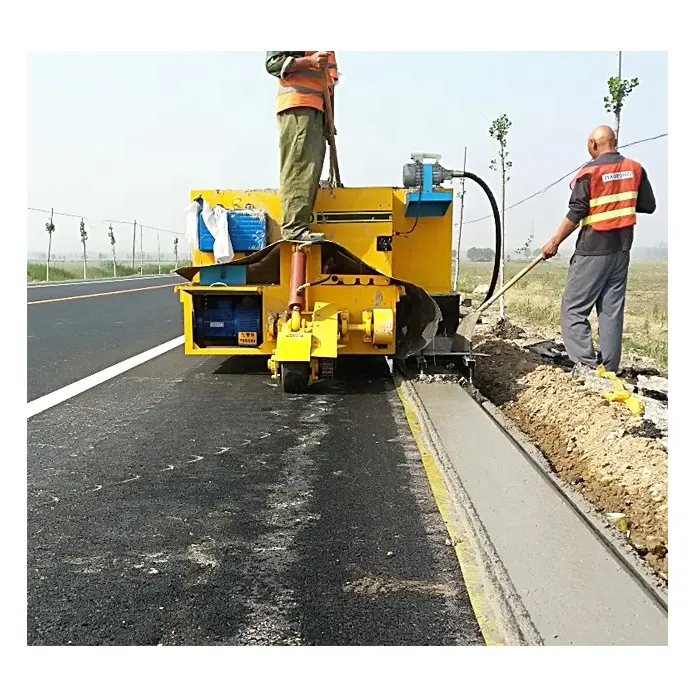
(304, 88)
(608, 207)
(607, 215)
(608, 198)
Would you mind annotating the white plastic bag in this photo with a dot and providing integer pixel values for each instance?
(191, 224)
(217, 224)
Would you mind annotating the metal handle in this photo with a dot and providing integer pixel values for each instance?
(507, 286)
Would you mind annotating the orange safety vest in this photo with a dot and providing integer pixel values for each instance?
(613, 197)
(304, 88)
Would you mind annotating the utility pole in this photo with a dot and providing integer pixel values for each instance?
(141, 273)
(461, 221)
(50, 228)
(133, 251)
(158, 244)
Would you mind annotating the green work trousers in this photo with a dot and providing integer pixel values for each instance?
(302, 152)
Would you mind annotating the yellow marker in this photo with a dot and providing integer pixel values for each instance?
(620, 394)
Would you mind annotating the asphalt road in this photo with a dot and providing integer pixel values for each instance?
(77, 329)
(190, 501)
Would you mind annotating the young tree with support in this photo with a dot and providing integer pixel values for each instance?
(50, 228)
(83, 240)
(113, 242)
(619, 90)
(499, 131)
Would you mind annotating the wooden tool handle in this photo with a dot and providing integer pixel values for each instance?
(335, 170)
(507, 286)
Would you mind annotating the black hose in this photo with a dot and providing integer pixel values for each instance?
(499, 233)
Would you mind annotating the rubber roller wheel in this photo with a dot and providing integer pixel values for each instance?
(295, 377)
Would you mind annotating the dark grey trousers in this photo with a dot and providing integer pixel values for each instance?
(600, 281)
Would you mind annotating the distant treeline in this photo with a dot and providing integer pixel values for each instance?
(659, 252)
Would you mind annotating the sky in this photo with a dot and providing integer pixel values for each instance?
(127, 135)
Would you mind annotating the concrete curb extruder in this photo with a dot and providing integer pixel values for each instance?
(378, 283)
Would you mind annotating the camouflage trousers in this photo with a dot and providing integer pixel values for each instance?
(302, 152)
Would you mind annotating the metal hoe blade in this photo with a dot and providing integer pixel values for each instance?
(462, 341)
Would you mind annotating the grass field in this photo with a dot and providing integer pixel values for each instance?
(59, 272)
(534, 302)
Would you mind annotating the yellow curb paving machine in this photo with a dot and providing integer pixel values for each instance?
(379, 282)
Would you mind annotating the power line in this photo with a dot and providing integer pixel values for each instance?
(563, 177)
(105, 221)
(471, 221)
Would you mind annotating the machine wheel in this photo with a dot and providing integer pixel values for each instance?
(295, 377)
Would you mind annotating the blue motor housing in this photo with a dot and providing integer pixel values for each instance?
(247, 229)
(235, 319)
(426, 176)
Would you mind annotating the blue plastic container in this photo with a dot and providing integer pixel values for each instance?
(247, 229)
(229, 275)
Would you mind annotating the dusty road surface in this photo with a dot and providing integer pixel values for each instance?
(189, 501)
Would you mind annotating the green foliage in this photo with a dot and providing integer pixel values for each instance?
(499, 131)
(481, 254)
(619, 90)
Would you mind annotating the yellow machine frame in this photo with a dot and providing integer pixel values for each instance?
(344, 314)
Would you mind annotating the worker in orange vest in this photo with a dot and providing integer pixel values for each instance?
(607, 194)
(301, 127)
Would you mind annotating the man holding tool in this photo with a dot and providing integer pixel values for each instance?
(607, 193)
(305, 100)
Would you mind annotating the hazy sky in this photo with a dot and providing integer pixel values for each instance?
(128, 135)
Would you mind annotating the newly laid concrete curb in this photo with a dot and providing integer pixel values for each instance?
(563, 585)
(487, 578)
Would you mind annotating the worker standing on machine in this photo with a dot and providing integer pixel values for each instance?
(302, 138)
(607, 193)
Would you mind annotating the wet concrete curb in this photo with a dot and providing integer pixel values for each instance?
(614, 540)
(503, 606)
(563, 575)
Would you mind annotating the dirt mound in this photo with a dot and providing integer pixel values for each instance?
(613, 458)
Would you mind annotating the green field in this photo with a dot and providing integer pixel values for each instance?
(534, 302)
(59, 272)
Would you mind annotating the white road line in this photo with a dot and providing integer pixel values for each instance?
(44, 285)
(68, 392)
